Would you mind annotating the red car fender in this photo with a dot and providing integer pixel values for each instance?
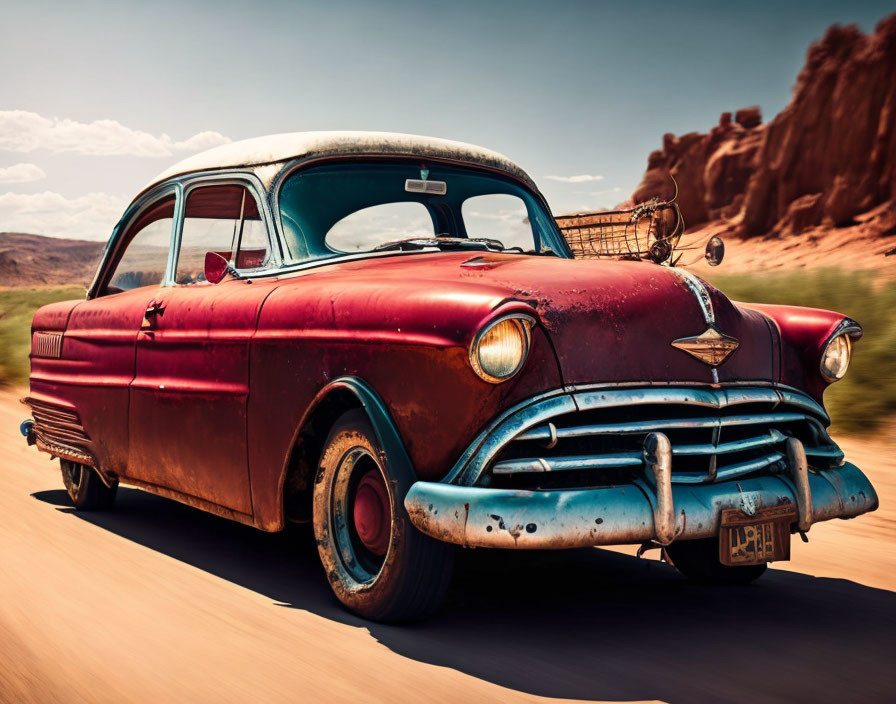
(804, 332)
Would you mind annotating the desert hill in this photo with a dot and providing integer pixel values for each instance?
(817, 184)
(34, 260)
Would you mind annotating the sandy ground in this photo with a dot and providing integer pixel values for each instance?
(852, 248)
(159, 602)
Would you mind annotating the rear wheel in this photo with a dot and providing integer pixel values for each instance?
(85, 488)
(377, 563)
(698, 560)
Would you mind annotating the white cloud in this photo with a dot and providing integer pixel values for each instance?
(615, 189)
(23, 131)
(21, 173)
(579, 178)
(89, 217)
(367, 228)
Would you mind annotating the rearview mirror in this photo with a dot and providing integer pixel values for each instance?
(216, 267)
(715, 251)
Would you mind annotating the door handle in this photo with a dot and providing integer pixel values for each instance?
(154, 308)
(149, 315)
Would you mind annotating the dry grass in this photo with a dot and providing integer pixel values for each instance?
(17, 306)
(866, 397)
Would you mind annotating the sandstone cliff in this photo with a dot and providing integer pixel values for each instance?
(827, 160)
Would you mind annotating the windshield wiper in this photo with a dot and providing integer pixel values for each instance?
(479, 244)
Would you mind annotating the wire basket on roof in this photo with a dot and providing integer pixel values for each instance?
(650, 230)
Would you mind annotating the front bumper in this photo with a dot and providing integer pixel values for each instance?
(652, 509)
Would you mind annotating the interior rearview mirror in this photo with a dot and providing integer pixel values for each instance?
(715, 251)
(216, 267)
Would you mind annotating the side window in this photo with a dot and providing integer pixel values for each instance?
(364, 229)
(145, 256)
(220, 219)
(499, 216)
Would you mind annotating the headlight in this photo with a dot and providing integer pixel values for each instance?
(499, 350)
(835, 358)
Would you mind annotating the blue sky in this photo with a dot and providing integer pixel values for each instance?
(97, 97)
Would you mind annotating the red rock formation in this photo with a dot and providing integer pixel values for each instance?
(827, 157)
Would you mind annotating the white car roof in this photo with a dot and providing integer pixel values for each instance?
(297, 145)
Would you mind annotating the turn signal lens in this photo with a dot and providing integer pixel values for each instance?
(500, 349)
(835, 358)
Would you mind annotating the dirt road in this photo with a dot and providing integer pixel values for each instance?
(159, 602)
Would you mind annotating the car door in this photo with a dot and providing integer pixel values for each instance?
(190, 391)
(102, 331)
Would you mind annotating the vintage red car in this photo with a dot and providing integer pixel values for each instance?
(387, 336)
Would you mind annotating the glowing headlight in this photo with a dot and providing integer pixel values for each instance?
(835, 358)
(499, 350)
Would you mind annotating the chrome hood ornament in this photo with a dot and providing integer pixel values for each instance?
(711, 347)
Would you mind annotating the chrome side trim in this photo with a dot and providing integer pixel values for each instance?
(697, 287)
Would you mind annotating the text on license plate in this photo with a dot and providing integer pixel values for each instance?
(754, 543)
(751, 540)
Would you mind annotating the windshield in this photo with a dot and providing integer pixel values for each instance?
(351, 208)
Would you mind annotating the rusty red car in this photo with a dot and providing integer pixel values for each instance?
(387, 336)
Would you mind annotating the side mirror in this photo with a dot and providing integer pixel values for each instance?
(715, 251)
(216, 267)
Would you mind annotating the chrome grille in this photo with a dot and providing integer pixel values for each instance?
(59, 430)
(716, 435)
(46, 344)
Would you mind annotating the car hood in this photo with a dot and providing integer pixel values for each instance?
(609, 321)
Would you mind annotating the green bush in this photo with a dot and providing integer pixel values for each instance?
(867, 394)
(17, 306)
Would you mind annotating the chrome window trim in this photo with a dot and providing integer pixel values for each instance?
(268, 197)
(131, 213)
(222, 178)
(293, 165)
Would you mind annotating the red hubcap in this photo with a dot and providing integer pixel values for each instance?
(373, 520)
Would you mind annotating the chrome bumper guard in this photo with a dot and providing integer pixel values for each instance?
(649, 509)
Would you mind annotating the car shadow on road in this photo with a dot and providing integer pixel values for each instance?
(584, 624)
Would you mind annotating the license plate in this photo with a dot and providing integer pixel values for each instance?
(753, 540)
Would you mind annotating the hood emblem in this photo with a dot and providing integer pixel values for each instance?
(711, 347)
(748, 503)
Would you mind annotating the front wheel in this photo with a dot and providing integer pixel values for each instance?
(377, 563)
(698, 560)
(85, 488)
